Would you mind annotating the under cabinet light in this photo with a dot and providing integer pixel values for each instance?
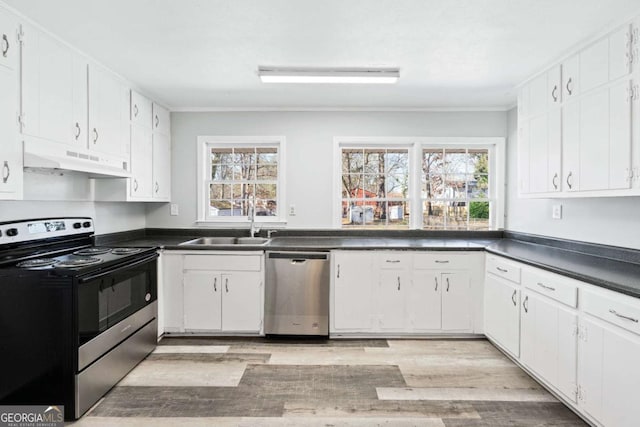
(329, 75)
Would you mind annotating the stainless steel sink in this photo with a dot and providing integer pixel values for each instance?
(251, 241)
(226, 241)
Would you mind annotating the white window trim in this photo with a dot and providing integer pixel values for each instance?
(234, 141)
(496, 146)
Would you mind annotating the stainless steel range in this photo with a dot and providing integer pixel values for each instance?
(74, 318)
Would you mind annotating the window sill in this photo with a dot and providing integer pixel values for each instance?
(226, 223)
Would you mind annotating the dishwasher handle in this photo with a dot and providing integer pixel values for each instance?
(298, 257)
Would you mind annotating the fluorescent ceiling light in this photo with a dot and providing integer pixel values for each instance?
(329, 75)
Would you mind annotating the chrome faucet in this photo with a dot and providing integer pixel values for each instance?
(252, 217)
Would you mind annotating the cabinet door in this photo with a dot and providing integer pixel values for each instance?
(9, 45)
(424, 305)
(594, 65)
(538, 153)
(456, 301)
(571, 146)
(108, 107)
(391, 299)
(141, 181)
(10, 167)
(241, 301)
(570, 80)
(161, 166)
(594, 141)
(548, 342)
(353, 291)
(140, 110)
(620, 53)
(202, 301)
(161, 120)
(502, 313)
(524, 186)
(620, 138)
(538, 95)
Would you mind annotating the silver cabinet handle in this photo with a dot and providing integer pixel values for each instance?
(569, 90)
(157, 187)
(157, 120)
(95, 135)
(442, 261)
(398, 282)
(135, 110)
(436, 283)
(77, 135)
(554, 93)
(215, 284)
(542, 285)
(513, 298)
(338, 276)
(393, 261)
(135, 185)
(569, 180)
(6, 172)
(554, 181)
(448, 284)
(504, 270)
(5, 45)
(525, 304)
(615, 313)
(226, 284)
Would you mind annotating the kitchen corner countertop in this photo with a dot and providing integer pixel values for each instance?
(619, 276)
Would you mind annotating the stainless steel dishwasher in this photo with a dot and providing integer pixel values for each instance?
(297, 293)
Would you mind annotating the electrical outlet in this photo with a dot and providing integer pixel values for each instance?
(556, 212)
(292, 210)
(174, 209)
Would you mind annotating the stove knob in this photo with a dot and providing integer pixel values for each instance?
(86, 224)
(77, 225)
(147, 297)
(12, 232)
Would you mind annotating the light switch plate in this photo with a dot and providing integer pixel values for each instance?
(174, 209)
(556, 212)
(292, 210)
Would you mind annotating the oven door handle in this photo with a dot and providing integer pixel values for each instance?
(86, 279)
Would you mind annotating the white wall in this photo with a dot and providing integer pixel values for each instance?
(54, 193)
(610, 221)
(309, 152)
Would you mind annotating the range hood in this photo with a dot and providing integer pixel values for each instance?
(50, 155)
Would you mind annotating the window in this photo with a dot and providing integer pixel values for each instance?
(375, 187)
(238, 173)
(455, 189)
(421, 183)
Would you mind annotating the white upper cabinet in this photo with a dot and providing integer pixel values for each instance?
(576, 127)
(108, 113)
(10, 156)
(141, 181)
(141, 110)
(161, 167)
(54, 90)
(161, 120)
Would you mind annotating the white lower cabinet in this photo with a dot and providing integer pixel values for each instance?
(502, 313)
(213, 293)
(549, 341)
(351, 291)
(398, 293)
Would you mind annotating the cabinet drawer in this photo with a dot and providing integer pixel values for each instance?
(552, 285)
(442, 261)
(223, 262)
(503, 268)
(394, 261)
(620, 310)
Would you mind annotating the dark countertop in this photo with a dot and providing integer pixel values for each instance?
(316, 244)
(620, 276)
(613, 268)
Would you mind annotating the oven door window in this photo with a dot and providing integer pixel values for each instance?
(104, 302)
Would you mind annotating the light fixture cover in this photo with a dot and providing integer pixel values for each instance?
(328, 75)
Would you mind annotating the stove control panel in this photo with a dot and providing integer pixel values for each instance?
(24, 231)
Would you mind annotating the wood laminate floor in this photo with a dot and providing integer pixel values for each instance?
(266, 382)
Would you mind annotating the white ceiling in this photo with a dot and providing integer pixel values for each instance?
(204, 54)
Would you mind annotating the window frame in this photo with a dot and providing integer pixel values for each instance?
(416, 145)
(204, 145)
